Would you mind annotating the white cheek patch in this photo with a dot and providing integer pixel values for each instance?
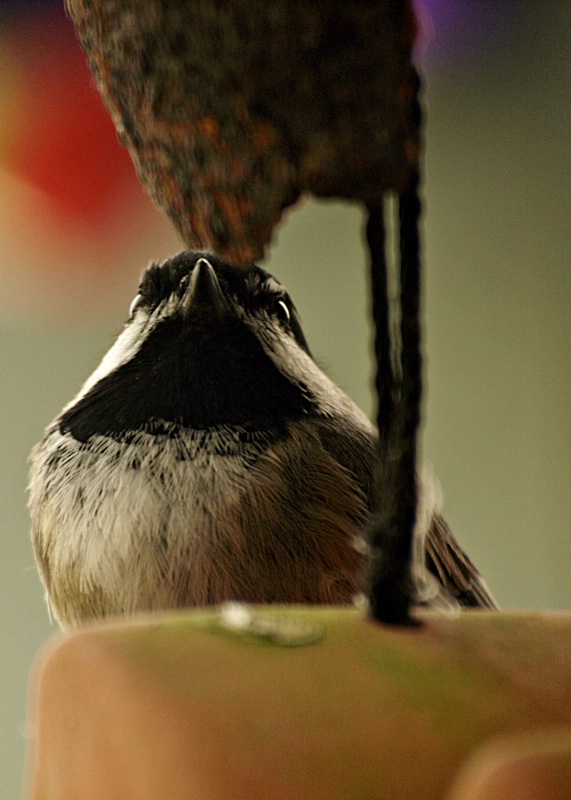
(293, 362)
(127, 345)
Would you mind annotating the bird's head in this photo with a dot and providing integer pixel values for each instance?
(205, 345)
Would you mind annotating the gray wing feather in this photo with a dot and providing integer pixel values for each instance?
(454, 570)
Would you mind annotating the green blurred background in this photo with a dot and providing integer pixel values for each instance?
(497, 300)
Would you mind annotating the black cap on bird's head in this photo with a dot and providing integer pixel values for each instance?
(206, 344)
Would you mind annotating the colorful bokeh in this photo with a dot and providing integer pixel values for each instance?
(73, 215)
(60, 138)
(457, 35)
(56, 136)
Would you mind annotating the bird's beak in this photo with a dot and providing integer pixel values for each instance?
(204, 293)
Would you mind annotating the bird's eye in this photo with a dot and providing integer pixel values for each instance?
(282, 311)
(137, 303)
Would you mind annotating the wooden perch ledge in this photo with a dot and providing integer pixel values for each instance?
(184, 706)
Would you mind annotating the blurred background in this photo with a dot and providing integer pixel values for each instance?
(76, 229)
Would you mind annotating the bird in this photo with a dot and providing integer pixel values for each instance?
(209, 459)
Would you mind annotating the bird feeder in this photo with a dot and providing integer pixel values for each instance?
(231, 111)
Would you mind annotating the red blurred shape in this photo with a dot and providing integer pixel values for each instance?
(66, 144)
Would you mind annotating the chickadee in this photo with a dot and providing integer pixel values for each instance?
(208, 458)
